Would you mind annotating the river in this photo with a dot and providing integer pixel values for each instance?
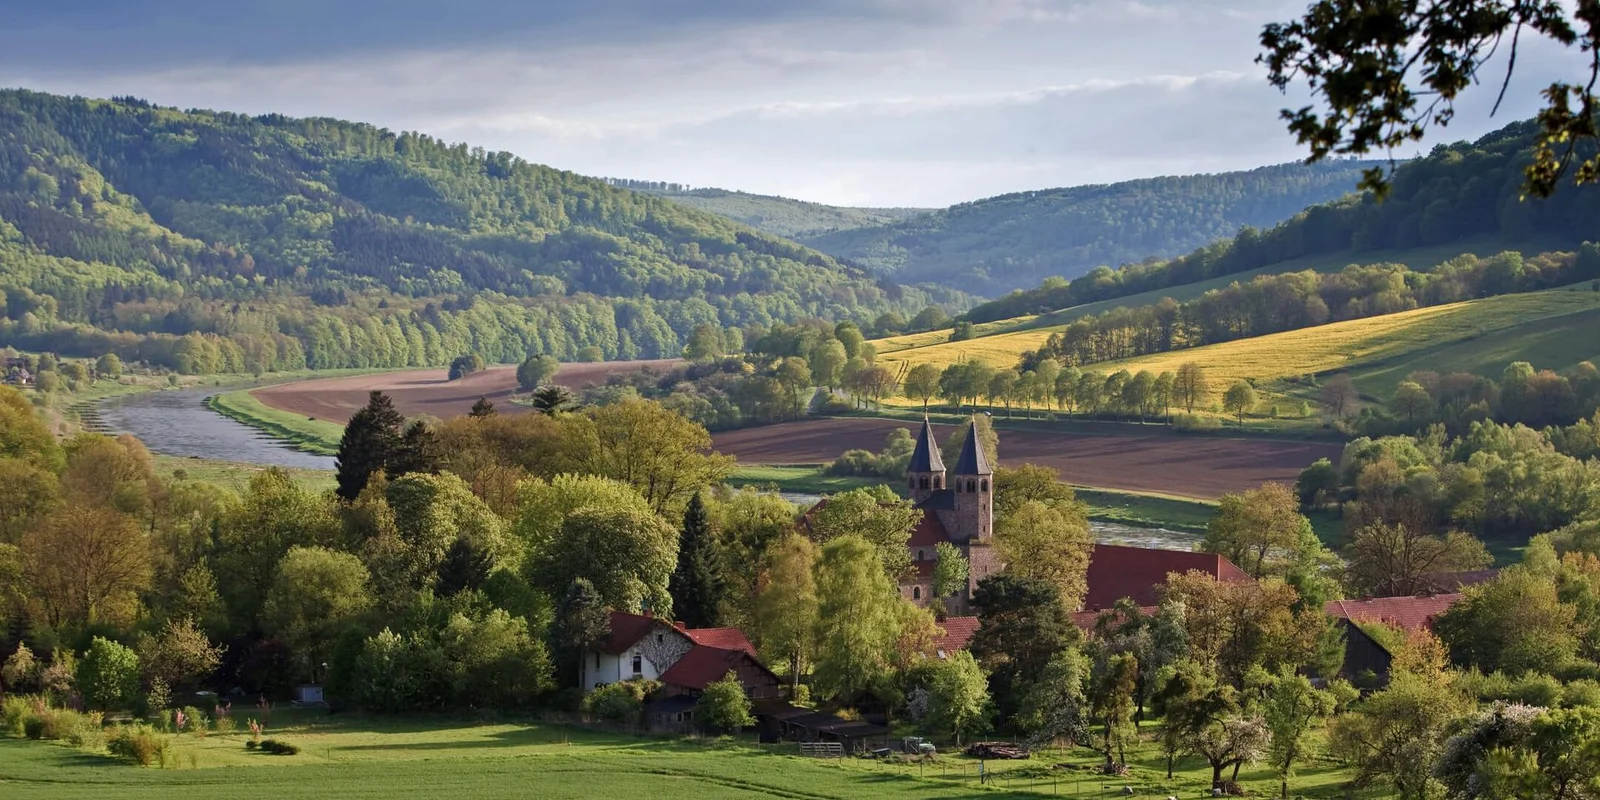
(177, 423)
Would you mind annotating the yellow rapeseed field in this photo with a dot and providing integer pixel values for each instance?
(1324, 348)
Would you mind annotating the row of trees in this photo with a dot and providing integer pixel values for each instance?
(1273, 303)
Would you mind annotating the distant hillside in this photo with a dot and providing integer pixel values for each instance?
(779, 216)
(212, 241)
(1460, 193)
(1003, 243)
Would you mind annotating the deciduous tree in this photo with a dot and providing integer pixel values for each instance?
(857, 623)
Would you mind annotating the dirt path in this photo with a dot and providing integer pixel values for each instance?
(1191, 466)
(426, 391)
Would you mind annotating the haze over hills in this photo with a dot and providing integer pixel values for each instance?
(779, 216)
(998, 244)
(209, 240)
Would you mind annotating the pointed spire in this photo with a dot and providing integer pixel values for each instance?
(972, 460)
(926, 457)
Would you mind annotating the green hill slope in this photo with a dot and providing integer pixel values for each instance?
(1002, 243)
(779, 216)
(208, 241)
(1461, 193)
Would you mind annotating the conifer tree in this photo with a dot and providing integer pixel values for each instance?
(418, 452)
(483, 408)
(581, 623)
(696, 584)
(369, 444)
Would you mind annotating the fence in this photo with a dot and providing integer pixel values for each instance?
(822, 749)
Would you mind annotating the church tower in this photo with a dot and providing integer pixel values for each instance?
(925, 473)
(973, 482)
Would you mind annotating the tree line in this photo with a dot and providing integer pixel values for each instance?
(1457, 192)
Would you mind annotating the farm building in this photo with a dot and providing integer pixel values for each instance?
(683, 660)
(1365, 655)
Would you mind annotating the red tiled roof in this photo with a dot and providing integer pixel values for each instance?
(1117, 571)
(704, 665)
(723, 638)
(625, 630)
(958, 632)
(929, 531)
(1405, 613)
(1085, 620)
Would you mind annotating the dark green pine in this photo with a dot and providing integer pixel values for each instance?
(696, 584)
(368, 445)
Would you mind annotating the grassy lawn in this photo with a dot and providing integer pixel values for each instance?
(1147, 510)
(302, 433)
(798, 478)
(236, 475)
(361, 758)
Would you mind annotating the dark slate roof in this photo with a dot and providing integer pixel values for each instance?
(972, 460)
(944, 499)
(926, 457)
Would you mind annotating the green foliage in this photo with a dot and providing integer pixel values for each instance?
(1003, 243)
(108, 675)
(724, 705)
(536, 371)
(315, 595)
(353, 246)
(1022, 626)
(857, 623)
(370, 443)
(622, 701)
(696, 586)
(141, 744)
(958, 697)
(178, 655)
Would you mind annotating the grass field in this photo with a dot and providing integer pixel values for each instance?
(299, 432)
(1419, 258)
(356, 758)
(236, 475)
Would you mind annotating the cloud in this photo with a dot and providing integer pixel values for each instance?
(892, 102)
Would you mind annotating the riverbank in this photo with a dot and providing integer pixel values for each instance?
(294, 430)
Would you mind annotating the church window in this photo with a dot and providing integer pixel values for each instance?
(986, 484)
(922, 554)
(916, 593)
(925, 482)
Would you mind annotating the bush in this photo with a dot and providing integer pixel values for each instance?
(1536, 690)
(1582, 692)
(13, 712)
(278, 748)
(1195, 422)
(619, 702)
(251, 744)
(194, 721)
(1487, 688)
(140, 744)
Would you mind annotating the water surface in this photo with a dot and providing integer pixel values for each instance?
(177, 423)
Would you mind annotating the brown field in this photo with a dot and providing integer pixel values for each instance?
(1187, 466)
(426, 391)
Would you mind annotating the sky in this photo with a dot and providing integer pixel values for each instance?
(853, 102)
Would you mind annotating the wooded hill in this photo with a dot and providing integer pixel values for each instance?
(212, 241)
(779, 216)
(1460, 193)
(1003, 243)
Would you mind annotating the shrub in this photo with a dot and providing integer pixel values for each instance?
(251, 744)
(108, 675)
(1195, 422)
(33, 727)
(1582, 692)
(1536, 690)
(195, 721)
(225, 725)
(139, 743)
(13, 711)
(622, 701)
(278, 748)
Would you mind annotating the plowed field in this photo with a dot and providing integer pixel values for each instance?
(1188, 466)
(426, 391)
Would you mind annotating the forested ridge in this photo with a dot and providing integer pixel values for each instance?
(1002, 243)
(1459, 192)
(210, 241)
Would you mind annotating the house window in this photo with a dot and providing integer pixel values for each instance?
(658, 638)
(922, 555)
(916, 593)
(596, 660)
(638, 664)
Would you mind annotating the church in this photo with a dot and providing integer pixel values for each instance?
(957, 507)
